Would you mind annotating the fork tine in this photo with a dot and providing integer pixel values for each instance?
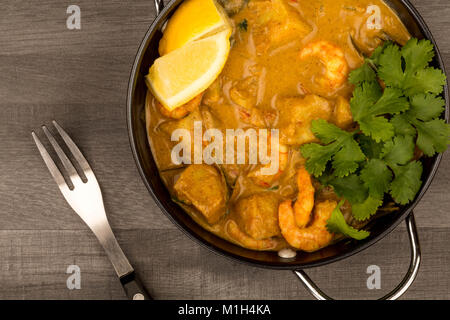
(62, 156)
(73, 148)
(54, 171)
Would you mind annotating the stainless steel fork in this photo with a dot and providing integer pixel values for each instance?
(85, 198)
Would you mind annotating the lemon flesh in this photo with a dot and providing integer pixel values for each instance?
(193, 20)
(182, 74)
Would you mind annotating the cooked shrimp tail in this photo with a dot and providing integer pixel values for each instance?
(294, 220)
(309, 239)
(248, 242)
(305, 199)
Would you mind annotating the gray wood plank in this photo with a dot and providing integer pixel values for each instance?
(80, 78)
(34, 264)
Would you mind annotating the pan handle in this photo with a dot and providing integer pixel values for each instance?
(400, 289)
(159, 5)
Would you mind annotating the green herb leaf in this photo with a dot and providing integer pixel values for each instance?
(364, 73)
(364, 96)
(402, 125)
(340, 148)
(426, 107)
(366, 109)
(376, 177)
(407, 182)
(432, 136)
(429, 80)
(379, 128)
(417, 55)
(364, 210)
(370, 147)
(390, 66)
(408, 69)
(391, 102)
(318, 157)
(375, 57)
(351, 188)
(345, 161)
(400, 150)
(337, 224)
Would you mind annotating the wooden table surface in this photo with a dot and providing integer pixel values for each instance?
(80, 78)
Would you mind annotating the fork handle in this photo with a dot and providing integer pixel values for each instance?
(134, 289)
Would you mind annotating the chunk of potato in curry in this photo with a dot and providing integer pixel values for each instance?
(258, 215)
(296, 115)
(204, 187)
(275, 23)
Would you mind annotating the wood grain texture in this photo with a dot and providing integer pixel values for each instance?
(80, 78)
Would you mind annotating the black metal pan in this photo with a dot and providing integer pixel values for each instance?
(148, 52)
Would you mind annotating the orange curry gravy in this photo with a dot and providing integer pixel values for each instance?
(284, 70)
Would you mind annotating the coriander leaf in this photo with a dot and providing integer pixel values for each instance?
(392, 101)
(326, 177)
(390, 66)
(408, 68)
(374, 58)
(426, 106)
(318, 157)
(402, 126)
(364, 210)
(366, 113)
(429, 80)
(370, 147)
(399, 150)
(351, 188)
(327, 132)
(378, 128)
(376, 177)
(417, 55)
(337, 224)
(432, 136)
(407, 182)
(363, 73)
(364, 96)
(346, 160)
(340, 148)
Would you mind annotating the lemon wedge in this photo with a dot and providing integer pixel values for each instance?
(193, 20)
(182, 74)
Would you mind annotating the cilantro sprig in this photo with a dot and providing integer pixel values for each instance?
(340, 148)
(408, 68)
(337, 224)
(397, 106)
(369, 105)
